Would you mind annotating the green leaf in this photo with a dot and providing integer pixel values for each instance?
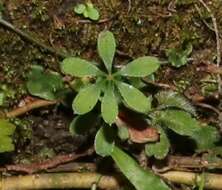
(104, 141)
(7, 129)
(86, 99)
(6, 144)
(134, 98)
(79, 67)
(44, 85)
(206, 137)
(123, 133)
(106, 47)
(141, 67)
(183, 123)
(79, 9)
(140, 178)
(159, 149)
(85, 14)
(179, 121)
(92, 12)
(136, 82)
(109, 107)
(170, 99)
(81, 124)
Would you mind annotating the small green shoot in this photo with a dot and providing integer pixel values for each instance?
(179, 57)
(87, 10)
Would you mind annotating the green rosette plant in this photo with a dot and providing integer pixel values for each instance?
(111, 87)
(110, 84)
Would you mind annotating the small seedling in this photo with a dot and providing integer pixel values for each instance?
(87, 10)
(108, 85)
(178, 57)
(46, 85)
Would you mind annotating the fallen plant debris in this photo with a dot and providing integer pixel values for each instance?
(28, 107)
(47, 164)
(60, 181)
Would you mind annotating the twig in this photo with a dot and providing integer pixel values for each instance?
(203, 105)
(178, 162)
(214, 21)
(160, 85)
(28, 107)
(171, 7)
(51, 163)
(204, 21)
(62, 181)
(74, 167)
(212, 181)
(31, 39)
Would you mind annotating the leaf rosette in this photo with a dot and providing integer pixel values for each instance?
(111, 83)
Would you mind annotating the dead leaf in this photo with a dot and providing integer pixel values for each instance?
(139, 130)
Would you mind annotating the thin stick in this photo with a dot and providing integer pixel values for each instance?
(204, 21)
(203, 105)
(31, 39)
(180, 162)
(74, 167)
(214, 21)
(61, 181)
(47, 164)
(212, 181)
(28, 107)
